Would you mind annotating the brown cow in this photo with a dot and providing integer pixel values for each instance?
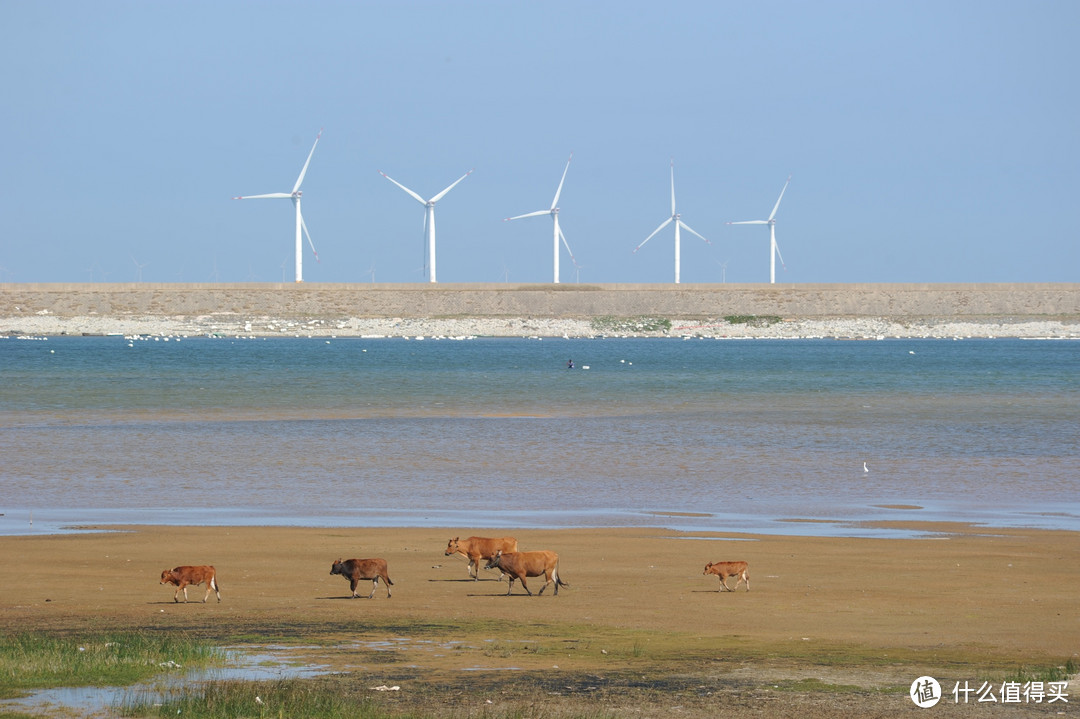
(729, 569)
(518, 565)
(477, 548)
(183, 576)
(356, 569)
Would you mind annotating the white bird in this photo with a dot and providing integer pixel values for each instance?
(865, 468)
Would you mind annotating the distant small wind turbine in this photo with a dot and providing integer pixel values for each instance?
(429, 218)
(300, 225)
(138, 268)
(677, 219)
(557, 233)
(774, 249)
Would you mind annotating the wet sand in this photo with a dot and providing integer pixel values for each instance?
(1007, 594)
(831, 627)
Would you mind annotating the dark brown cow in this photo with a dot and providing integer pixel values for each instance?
(356, 569)
(181, 577)
(477, 548)
(729, 569)
(518, 565)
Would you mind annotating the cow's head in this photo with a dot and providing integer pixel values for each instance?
(451, 546)
(708, 567)
(337, 567)
(166, 576)
(494, 561)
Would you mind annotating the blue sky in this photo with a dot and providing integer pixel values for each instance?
(927, 141)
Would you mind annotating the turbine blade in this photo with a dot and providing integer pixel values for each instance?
(443, 193)
(304, 171)
(663, 224)
(555, 202)
(412, 194)
(777, 205)
(691, 231)
(750, 222)
(528, 214)
(567, 246)
(271, 196)
(780, 256)
(310, 243)
(673, 187)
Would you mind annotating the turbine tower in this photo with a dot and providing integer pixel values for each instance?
(429, 219)
(300, 225)
(557, 233)
(774, 249)
(677, 219)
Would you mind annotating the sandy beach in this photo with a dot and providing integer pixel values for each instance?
(872, 615)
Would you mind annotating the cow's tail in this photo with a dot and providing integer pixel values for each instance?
(558, 579)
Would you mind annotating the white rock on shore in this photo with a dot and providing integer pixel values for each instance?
(261, 326)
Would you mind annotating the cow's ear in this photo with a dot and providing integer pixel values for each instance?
(455, 539)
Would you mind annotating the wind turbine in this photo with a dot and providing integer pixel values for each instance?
(554, 212)
(138, 268)
(774, 249)
(677, 219)
(300, 225)
(429, 218)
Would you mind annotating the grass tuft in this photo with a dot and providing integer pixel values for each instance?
(40, 661)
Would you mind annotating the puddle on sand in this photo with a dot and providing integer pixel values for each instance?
(270, 664)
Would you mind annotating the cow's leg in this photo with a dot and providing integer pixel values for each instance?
(723, 583)
(207, 595)
(352, 586)
(547, 579)
(176, 594)
(524, 585)
(374, 583)
(510, 586)
(386, 580)
(183, 586)
(213, 583)
(747, 578)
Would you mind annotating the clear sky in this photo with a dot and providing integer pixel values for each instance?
(927, 140)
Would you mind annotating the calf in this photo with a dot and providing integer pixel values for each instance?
(477, 548)
(181, 577)
(518, 565)
(729, 569)
(356, 569)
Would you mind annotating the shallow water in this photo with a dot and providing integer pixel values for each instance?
(722, 435)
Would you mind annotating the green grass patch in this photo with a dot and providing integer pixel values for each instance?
(609, 324)
(752, 320)
(40, 661)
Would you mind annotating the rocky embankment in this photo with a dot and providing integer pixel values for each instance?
(862, 311)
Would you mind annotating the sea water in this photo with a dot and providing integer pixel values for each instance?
(698, 434)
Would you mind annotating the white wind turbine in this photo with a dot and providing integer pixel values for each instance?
(300, 225)
(774, 249)
(677, 219)
(429, 219)
(557, 233)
